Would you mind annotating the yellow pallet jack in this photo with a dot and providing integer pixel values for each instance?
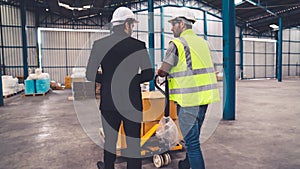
(161, 155)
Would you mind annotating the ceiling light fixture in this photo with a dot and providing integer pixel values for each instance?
(238, 2)
(85, 7)
(274, 27)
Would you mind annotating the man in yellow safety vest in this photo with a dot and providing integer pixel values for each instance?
(192, 83)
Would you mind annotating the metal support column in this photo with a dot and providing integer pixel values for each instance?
(228, 14)
(37, 24)
(66, 44)
(151, 36)
(279, 54)
(241, 55)
(24, 39)
(276, 53)
(1, 91)
(1, 64)
(2, 48)
(162, 35)
(205, 24)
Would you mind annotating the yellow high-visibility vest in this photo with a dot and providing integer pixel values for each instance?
(192, 82)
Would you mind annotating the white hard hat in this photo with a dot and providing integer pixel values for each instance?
(121, 14)
(185, 13)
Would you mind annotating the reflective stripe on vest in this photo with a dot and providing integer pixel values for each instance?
(188, 57)
(192, 72)
(193, 84)
(193, 89)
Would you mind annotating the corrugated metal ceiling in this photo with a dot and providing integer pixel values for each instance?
(259, 14)
(254, 14)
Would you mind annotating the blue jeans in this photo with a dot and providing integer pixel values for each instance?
(190, 122)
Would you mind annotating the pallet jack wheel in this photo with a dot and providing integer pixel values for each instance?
(158, 160)
(100, 165)
(167, 159)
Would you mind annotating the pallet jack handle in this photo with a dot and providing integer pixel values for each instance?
(166, 93)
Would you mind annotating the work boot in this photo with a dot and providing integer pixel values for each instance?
(184, 164)
(100, 165)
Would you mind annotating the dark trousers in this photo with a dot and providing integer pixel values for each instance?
(111, 122)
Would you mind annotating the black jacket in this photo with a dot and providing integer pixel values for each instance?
(125, 64)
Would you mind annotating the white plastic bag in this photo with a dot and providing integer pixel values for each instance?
(167, 132)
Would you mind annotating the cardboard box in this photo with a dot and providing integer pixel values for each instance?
(30, 87)
(42, 85)
(68, 82)
(154, 106)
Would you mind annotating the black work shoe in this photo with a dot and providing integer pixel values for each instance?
(100, 165)
(184, 164)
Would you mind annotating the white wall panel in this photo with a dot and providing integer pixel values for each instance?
(295, 35)
(143, 22)
(215, 43)
(63, 50)
(13, 56)
(285, 58)
(13, 36)
(32, 57)
(294, 47)
(270, 59)
(53, 58)
(248, 46)
(10, 15)
(53, 39)
(260, 47)
(286, 34)
(214, 28)
(30, 19)
(198, 27)
(31, 36)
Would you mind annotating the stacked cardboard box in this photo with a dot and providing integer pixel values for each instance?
(42, 85)
(30, 87)
(10, 85)
(68, 82)
(38, 86)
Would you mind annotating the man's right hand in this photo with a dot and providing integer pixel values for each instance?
(161, 73)
(164, 69)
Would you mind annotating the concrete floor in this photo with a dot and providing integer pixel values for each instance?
(43, 132)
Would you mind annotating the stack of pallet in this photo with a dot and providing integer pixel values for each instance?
(37, 83)
(10, 86)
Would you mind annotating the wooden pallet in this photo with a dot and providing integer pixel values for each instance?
(13, 94)
(37, 94)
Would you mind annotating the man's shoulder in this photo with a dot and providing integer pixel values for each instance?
(134, 40)
(113, 38)
(103, 39)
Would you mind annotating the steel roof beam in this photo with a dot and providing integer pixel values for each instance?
(262, 7)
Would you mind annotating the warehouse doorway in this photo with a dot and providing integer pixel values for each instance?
(61, 50)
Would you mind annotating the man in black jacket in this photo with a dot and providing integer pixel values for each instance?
(125, 64)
